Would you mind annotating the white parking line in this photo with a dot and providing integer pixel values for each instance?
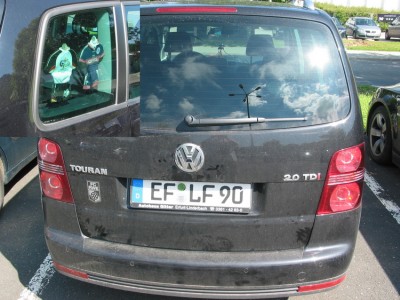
(39, 281)
(390, 205)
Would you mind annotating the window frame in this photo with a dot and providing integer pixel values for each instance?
(2, 9)
(136, 100)
(120, 95)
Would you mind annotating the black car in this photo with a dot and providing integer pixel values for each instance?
(245, 180)
(64, 70)
(15, 154)
(383, 125)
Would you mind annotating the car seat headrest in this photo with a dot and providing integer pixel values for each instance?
(178, 42)
(260, 45)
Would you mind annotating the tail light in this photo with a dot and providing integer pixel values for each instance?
(53, 178)
(343, 184)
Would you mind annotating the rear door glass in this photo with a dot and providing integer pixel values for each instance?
(78, 67)
(238, 67)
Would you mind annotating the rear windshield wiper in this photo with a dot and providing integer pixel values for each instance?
(193, 122)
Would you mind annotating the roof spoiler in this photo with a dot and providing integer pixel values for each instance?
(304, 3)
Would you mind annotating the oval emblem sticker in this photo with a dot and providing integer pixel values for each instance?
(189, 157)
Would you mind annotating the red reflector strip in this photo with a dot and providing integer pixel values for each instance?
(70, 272)
(183, 10)
(346, 178)
(320, 286)
(52, 168)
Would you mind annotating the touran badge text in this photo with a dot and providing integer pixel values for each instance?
(88, 170)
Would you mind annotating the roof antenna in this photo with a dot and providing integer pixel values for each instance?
(309, 4)
(304, 3)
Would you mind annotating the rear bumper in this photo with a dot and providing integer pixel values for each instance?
(202, 274)
(368, 36)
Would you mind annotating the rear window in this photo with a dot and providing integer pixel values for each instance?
(225, 66)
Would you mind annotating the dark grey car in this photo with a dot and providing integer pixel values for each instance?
(245, 180)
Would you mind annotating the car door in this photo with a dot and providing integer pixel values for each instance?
(392, 28)
(350, 26)
(396, 127)
(16, 152)
(81, 81)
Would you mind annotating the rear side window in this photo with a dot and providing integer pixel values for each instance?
(78, 67)
(213, 66)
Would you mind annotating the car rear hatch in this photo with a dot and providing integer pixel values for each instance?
(256, 107)
(285, 178)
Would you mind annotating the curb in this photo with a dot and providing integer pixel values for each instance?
(384, 55)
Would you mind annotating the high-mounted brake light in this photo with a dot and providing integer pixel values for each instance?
(53, 178)
(197, 9)
(343, 185)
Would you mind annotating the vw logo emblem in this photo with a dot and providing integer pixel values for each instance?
(189, 157)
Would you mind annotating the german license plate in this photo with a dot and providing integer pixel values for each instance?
(191, 196)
